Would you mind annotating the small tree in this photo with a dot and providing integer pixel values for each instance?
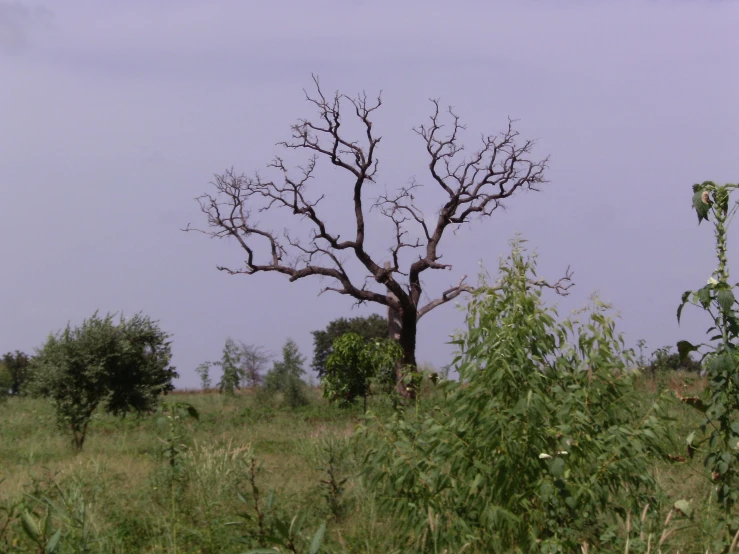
(253, 362)
(122, 367)
(537, 448)
(230, 362)
(203, 370)
(242, 364)
(285, 376)
(641, 344)
(17, 366)
(372, 327)
(355, 363)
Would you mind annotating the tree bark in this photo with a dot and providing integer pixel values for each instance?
(407, 364)
(402, 328)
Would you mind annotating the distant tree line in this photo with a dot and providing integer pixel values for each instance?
(13, 373)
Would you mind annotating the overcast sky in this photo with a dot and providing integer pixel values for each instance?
(114, 116)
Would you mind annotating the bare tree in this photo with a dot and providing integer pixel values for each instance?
(472, 187)
(253, 363)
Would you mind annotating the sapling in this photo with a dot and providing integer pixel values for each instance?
(171, 415)
(720, 428)
(539, 447)
(203, 370)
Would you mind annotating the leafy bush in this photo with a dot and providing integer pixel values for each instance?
(355, 364)
(122, 367)
(371, 327)
(538, 448)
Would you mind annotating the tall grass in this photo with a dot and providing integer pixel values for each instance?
(114, 498)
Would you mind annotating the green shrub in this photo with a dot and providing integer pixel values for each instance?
(122, 368)
(538, 448)
(356, 364)
(284, 379)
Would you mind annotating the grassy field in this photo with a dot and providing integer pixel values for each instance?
(122, 495)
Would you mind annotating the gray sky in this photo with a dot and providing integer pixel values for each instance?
(114, 116)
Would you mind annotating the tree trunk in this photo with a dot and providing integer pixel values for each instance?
(407, 364)
(402, 328)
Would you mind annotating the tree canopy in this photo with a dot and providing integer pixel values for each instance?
(370, 327)
(123, 368)
(16, 364)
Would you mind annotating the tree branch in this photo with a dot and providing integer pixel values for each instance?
(473, 187)
(561, 287)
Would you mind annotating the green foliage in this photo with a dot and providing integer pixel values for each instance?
(538, 448)
(355, 364)
(330, 456)
(285, 376)
(16, 364)
(664, 360)
(172, 414)
(641, 344)
(41, 531)
(369, 328)
(242, 365)
(720, 405)
(203, 371)
(55, 517)
(6, 381)
(270, 526)
(229, 363)
(122, 368)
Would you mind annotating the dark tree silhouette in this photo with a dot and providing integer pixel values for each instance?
(17, 364)
(473, 186)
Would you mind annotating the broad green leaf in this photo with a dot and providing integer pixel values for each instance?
(680, 311)
(557, 467)
(53, 542)
(30, 527)
(704, 296)
(684, 507)
(48, 523)
(725, 299)
(315, 544)
(701, 208)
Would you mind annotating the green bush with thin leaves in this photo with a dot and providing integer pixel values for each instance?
(538, 447)
(122, 368)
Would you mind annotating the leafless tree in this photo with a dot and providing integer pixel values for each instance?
(472, 186)
(253, 363)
